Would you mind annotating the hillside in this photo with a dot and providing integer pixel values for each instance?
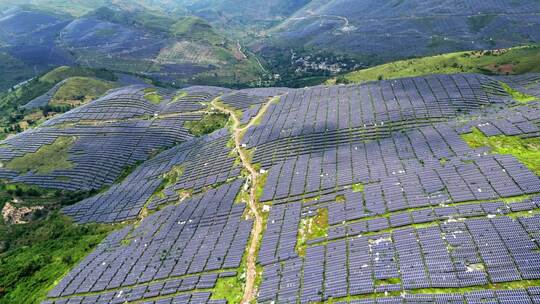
(139, 42)
(404, 187)
(365, 33)
(513, 61)
(57, 91)
(245, 44)
(278, 151)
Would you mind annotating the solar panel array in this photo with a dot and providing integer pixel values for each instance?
(526, 83)
(443, 255)
(204, 161)
(44, 99)
(411, 207)
(247, 98)
(415, 171)
(112, 133)
(183, 248)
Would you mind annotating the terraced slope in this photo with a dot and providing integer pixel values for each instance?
(415, 190)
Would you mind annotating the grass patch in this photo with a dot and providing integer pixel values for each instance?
(230, 289)
(242, 197)
(196, 29)
(127, 171)
(80, 90)
(312, 228)
(389, 281)
(65, 72)
(259, 186)
(208, 124)
(358, 187)
(517, 95)
(170, 178)
(152, 95)
(526, 151)
(518, 60)
(174, 175)
(46, 159)
(179, 96)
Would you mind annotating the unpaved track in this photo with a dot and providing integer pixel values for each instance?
(256, 233)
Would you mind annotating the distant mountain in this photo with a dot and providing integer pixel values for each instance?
(246, 11)
(375, 31)
(234, 43)
(173, 50)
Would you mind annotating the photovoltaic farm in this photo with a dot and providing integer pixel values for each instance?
(414, 190)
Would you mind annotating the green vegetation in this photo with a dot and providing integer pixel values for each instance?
(40, 253)
(30, 195)
(518, 60)
(170, 178)
(65, 72)
(230, 289)
(13, 71)
(517, 95)
(208, 124)
(127, 171)
(79, 90)
(152, 95)
(34, 256)
(526, 151)
(387, 281)
(259, 186)
(358, 187)
(14, 119)
(195, 28)
(153, 21)
(179, 96)
(477, 23)
(173, 176)
(312, 228)
(46, 159)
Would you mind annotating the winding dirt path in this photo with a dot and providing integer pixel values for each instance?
(254, 210)
(240, 51)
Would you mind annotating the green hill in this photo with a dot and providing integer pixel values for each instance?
(82, 84)
(195, 28)
(79, 90)
(512, 61)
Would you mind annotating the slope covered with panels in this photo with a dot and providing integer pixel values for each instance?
(375, 31)
(371, 195)
(109, 134)
(410, 206)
